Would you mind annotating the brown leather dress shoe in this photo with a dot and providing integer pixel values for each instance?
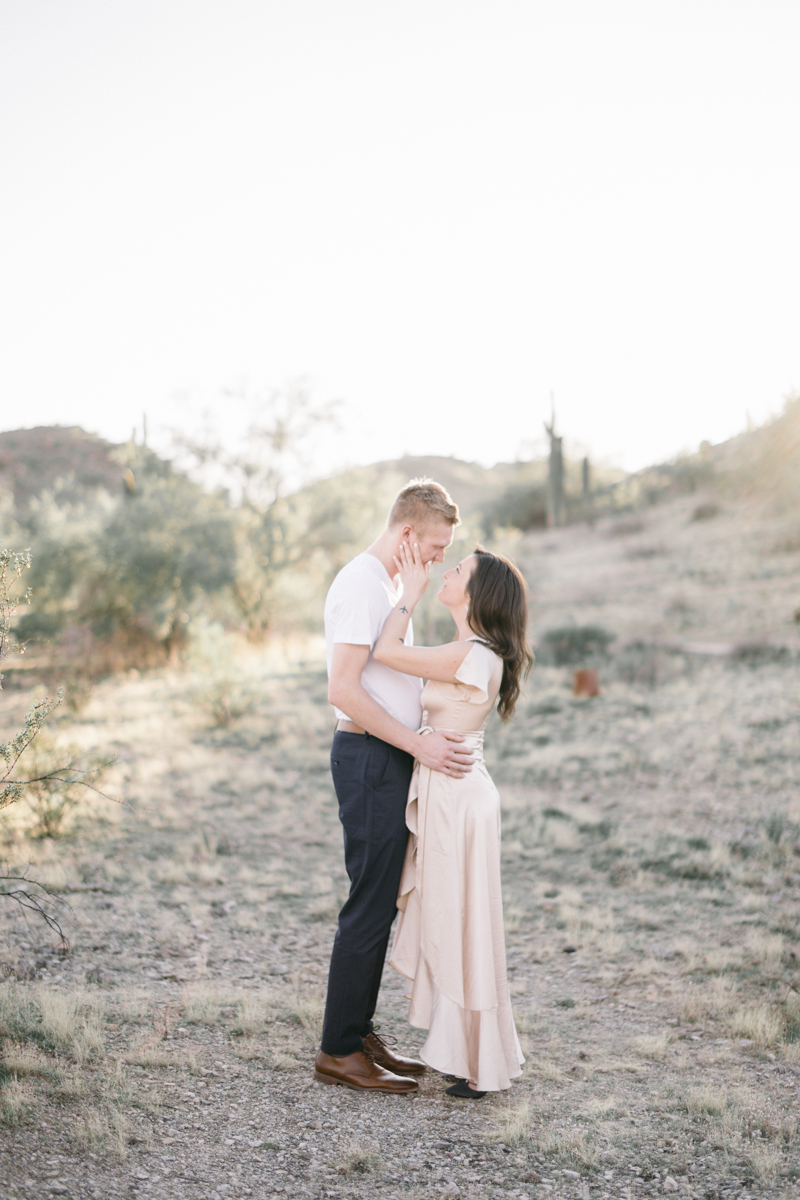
(360, 1072)
(385, 1057)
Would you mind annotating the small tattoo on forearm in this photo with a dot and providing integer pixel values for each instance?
(402, 641)
(405, 610)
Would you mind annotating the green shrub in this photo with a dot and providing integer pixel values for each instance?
(58, 779)
(571, 645)
(519, 507)
(754, 654)
(645, 664)
(705, 512)
(131, 565)
(222, 690)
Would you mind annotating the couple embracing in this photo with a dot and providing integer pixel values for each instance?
(420, 814)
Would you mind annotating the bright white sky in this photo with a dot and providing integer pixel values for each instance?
(437, 210)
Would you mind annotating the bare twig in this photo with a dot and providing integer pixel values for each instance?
(32, 902)
(30, 894)
(56, 775)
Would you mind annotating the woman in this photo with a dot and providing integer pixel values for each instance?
(450, 939)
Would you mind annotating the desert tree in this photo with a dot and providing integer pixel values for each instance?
(280, 522)
(127, 569)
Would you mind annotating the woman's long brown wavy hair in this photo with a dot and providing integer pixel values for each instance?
(498, 613)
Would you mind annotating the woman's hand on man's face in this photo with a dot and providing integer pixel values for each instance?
(414, 573)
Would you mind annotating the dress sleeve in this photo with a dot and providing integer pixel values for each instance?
(477, 669)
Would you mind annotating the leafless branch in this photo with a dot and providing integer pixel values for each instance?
(32, 902)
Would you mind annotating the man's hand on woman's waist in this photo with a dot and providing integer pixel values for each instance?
(445, 752)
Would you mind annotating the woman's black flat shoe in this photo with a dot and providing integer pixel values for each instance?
(463, 1091)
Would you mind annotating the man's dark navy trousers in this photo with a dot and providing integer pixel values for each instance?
(371, 779)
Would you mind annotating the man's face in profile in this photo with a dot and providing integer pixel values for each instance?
(433, 539)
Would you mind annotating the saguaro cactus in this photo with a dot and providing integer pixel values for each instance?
(555, 475)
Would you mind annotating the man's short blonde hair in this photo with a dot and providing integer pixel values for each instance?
(420, 502)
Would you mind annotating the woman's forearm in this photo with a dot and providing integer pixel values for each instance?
(391, 643)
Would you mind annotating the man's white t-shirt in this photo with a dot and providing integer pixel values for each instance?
(360, 599)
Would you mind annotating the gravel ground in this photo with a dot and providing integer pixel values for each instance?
(652, 887)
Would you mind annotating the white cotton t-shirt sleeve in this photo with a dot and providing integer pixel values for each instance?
(359, 601)
(356, 617)
(477, 669)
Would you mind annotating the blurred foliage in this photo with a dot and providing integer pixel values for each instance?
(646, 664)
(13, 566)
(233, 535)
(705, 512)
(26, 892)
(574, 645)
(519, 506)
(131, 551)
(134, 562)
(221, 689)
(764, 462)
(58, 779)
(281, 528)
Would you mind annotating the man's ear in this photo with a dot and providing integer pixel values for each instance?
(406, 532)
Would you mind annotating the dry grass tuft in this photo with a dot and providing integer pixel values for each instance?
(765, 1164)
(570, 1146)
(19, 1016)
(249, 1049)
(159, 1056)
(616, 1066)
(67, 1022)
(600, 1107)
(71, 1022)
(787, 1131)
(307, 1009)
(130, 1006)
(324, 909)
(513, 1124)
(758, 1022)
(722, 959)
(714, 998)
(204, 1003)
(547, 1070)
(765, 950)
(528, 1022)
(285, 1058)
(358, 1158)
(15, 1102)
(706, 1099)
(653, 1045)
(253, 1011)
(71, 1086)
(610, 943)
(103, 1131)
(21, 1059)
(688, 951)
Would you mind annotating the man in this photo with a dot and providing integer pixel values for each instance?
(372, 757)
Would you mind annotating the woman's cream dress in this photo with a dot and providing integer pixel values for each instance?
(450, 939)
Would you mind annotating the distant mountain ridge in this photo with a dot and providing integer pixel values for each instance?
(33, 460)
(764, 461)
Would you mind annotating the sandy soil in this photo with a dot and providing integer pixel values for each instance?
(652, 875)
